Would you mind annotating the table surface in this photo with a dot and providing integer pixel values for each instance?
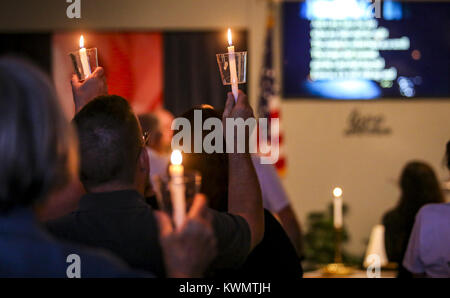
(355, 274)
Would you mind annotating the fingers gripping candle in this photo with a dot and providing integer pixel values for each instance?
(84, 58)
(177, 188)
(232, 62)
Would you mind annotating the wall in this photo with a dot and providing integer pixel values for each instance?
(367, 167)
(319, 155)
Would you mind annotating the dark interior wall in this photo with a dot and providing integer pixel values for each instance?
(191, 74)
(32, 46)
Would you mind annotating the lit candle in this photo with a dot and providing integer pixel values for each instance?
(177, 188)
(337, 207)
(84, 58)
(232, 62)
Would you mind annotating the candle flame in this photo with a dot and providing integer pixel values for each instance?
(176, 158)
(230, 40)
(337, 192)
(81, 42)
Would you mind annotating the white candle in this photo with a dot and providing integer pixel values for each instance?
(177, 188)
(337, 207)
(84, 58)
(232, 61)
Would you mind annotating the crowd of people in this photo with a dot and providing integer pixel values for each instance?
(82, 187)
(101, 161)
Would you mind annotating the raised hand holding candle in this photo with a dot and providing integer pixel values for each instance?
(177, 188)
(337, 207)
(84, 61)
(84, 58)
(232, 62)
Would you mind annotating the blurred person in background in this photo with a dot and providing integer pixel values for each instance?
(419, 186)
(165, 119)
(158, 158)
(428, 252)
(275, 256)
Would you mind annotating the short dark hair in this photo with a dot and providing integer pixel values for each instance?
(35, 136)
(213, 167)
(110, 141)
(419, 186)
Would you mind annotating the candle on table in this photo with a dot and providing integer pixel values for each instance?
(232, 62)
(177, 188)
(84, 58)
(337, 207)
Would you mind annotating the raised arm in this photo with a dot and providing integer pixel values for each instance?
(244, 193)
(85, 91)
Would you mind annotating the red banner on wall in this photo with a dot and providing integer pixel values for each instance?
(133, 63)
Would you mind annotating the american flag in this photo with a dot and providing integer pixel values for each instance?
(269, 99)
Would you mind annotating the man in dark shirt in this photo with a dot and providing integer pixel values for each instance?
(33, 121)
(114, 172)
(115, 221)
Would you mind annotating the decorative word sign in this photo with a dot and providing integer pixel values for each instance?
(359, 124)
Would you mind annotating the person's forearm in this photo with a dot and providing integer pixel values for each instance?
(244, 194)
(85, 91)
(292, 228)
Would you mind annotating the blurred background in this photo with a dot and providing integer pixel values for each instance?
(161, 53)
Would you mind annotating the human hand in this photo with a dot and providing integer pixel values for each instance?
(188, 251)
(239, 109)
(85, 91)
